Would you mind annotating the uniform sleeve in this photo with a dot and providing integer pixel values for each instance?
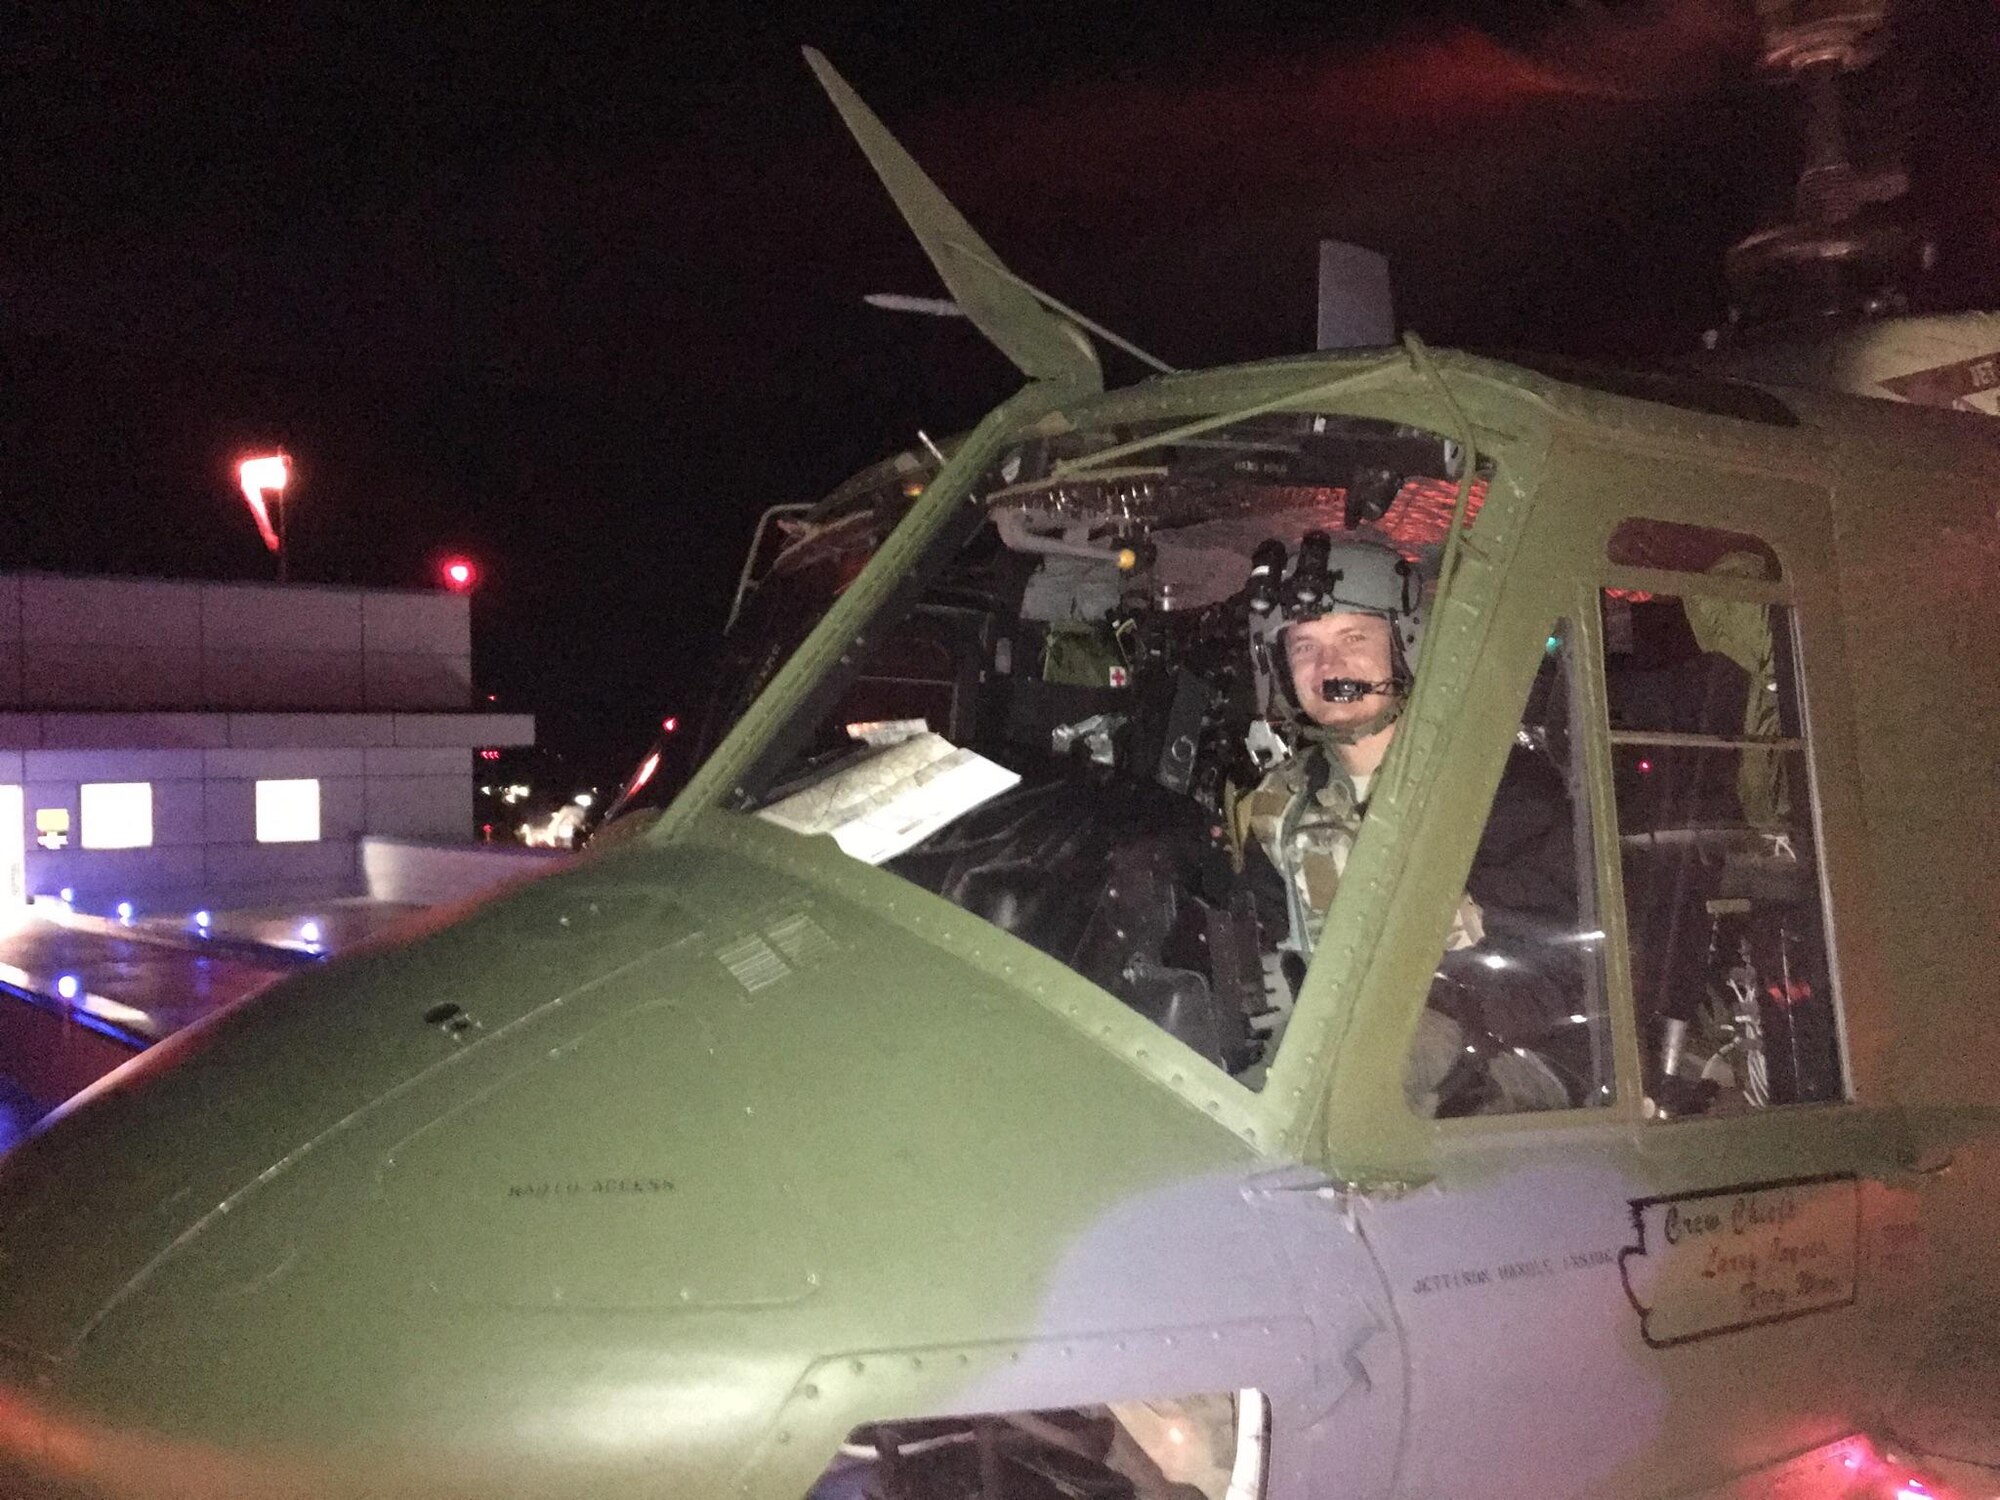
(1526, 860)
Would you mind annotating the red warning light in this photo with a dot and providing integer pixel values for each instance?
(489, 755)
(267, 474)
(645, 773)
(459, 574)
(669, 724)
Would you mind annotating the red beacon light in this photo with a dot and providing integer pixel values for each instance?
(266, 474)
(645, 773)
(670, 723)
(459, 574)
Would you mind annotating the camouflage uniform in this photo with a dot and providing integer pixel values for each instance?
(1306, 814)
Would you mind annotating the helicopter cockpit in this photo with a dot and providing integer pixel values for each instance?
(1059, 722)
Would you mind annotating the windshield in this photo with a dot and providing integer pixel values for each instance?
(1125, 713)
(1126, 705)
(801, 559)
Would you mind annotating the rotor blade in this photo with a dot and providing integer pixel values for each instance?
(1041, 344)
(936, 307)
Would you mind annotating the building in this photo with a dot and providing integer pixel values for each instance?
(176, 743)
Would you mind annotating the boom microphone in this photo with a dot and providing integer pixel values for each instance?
(1353, 689)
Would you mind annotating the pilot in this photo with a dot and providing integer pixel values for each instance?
(1334, 644)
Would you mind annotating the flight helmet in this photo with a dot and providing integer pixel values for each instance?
(1350, 575)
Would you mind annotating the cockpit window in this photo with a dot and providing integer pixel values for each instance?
(1516, 1020)
(1100, 715)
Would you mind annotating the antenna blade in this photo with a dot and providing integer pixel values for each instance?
(1041, 344)
(1357, 310)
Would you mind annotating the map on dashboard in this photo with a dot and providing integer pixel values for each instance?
(894, 798)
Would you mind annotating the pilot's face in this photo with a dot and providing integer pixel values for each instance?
(1338, 646)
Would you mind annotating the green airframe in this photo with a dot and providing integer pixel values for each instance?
(942, 1150)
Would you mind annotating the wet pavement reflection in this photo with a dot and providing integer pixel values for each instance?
(83, 992)
(158, 987)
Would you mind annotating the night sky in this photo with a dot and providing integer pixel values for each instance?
(577, 290)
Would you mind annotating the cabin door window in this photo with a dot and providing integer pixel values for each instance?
(1712, 781)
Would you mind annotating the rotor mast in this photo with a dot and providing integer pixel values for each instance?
(1845, 246)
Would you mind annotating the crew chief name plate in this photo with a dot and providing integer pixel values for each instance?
(1714, 1263)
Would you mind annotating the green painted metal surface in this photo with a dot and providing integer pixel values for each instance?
(661, 1175)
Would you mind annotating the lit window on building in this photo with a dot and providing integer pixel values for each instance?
(13, 847)
(116, 814)
(288, 812)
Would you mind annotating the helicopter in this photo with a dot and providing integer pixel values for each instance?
(915, 1106)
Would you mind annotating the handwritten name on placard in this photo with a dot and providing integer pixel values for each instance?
(1710, 1263)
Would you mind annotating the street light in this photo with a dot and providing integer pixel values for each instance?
(268, 474)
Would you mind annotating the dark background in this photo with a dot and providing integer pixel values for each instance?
(578, 290)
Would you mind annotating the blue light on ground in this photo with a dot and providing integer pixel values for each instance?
(69, 987)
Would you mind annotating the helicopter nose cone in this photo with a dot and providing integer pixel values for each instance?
(568, 1198)
(335, 1242)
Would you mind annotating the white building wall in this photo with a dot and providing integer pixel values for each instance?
(427, 875)
(205, 848)
(416, 650)
(108, 643)
(201, 690)
(421, 792)
(114, 643)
